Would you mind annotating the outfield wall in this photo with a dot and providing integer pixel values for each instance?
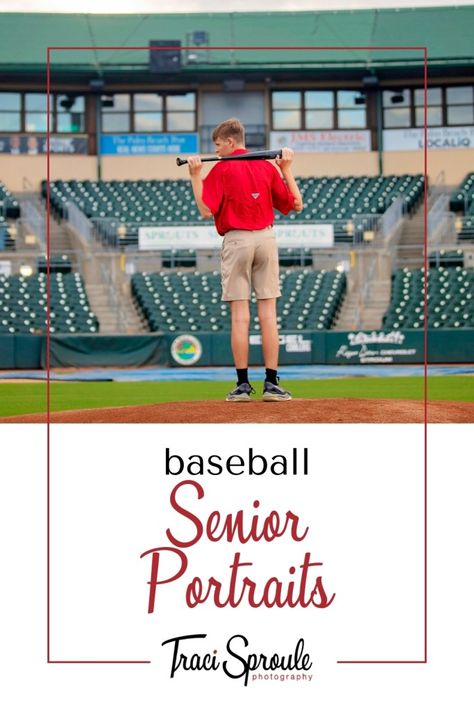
(19, 352)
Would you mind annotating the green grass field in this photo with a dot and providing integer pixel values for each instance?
(26, 398)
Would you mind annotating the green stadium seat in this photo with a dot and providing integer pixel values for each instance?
(117, 208)
(310, 300)
(23, 304)
(462, 202)
(9, 207)
(450, 302)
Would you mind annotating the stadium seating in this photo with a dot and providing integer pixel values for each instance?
(341, 198)
(173, 302)
(23, 305)
(174, 258)
(462, 201)
(295, 257)
(450, 298)
(9, 207)
(9, 210)
(463, 195)
(446, 257)
(58, 264)
(3, 234)
(119, 208)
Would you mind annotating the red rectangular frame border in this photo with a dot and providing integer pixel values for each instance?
(424, 660)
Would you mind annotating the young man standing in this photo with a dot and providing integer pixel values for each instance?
(241, 196)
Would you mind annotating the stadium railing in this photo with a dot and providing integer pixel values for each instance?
(462, 203)
(441, 223)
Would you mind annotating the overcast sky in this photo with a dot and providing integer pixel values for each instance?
(173, 6)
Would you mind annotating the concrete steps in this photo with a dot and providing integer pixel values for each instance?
(116, 313)
(100, 303)
(357, 314)
(376, 304)
(62, 240)
(349, 313)
(410, 245)
(133, 320)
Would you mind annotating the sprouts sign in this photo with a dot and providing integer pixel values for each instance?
(295, 236)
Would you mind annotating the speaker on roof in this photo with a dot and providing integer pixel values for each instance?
(164, 60)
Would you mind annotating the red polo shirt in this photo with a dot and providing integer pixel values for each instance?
(241, 194)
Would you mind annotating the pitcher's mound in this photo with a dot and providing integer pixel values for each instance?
(370, 411)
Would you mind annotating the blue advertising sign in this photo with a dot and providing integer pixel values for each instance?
(149, 144)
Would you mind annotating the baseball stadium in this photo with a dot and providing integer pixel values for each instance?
(110, 278)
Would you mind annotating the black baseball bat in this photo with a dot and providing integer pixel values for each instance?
(256, 155)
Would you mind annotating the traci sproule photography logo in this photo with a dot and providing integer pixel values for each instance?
(237, 661)
(292, 583)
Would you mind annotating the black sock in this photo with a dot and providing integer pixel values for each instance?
(242, 376)
(271, 376)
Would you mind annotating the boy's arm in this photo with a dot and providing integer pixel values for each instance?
(284, 163)
(195, 167)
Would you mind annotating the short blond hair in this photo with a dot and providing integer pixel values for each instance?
(231, 128)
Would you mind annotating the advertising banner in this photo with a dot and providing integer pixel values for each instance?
(378, 347)
(196, 237)
(149, 144)
(206, 237)
(443, 138)
(375, 347)
(321, 141)
(37, 145)
(312, 236)
(204, 349)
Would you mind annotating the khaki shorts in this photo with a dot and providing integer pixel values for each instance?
(250, 259)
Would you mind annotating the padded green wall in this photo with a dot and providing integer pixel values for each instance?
(444, 346)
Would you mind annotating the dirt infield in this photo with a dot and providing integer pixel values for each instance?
(371, 411)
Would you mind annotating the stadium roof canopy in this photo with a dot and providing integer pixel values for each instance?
(445, 31)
